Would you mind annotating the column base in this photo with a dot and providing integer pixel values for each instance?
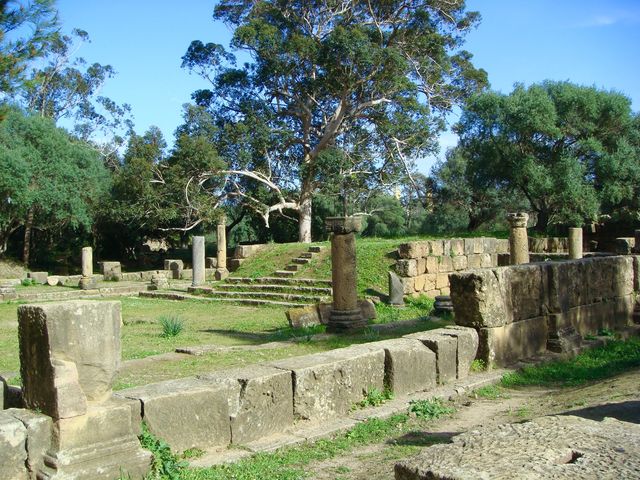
(341, 321)
(221, 273)
(88, 283)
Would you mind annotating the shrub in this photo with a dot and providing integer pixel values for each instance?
(429, 409)
(171, 326)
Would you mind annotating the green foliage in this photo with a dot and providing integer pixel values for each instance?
(430, 409)
(339, 112)
(491, 392)
(172, 325)
(375, 397)
(557, 144)
(615, 357)
(28, 282)
(165, 464)
(478, 365)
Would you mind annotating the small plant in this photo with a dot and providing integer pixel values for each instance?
(375, 397)
(478, 365)
(192, 453)
(491, 392)
(430, 409)
(28, 282)
(605, 332)
(165, 464)
(172, 325)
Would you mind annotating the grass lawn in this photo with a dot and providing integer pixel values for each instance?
(220, 324)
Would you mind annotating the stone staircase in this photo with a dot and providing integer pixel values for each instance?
(282, 289)
(292, 268)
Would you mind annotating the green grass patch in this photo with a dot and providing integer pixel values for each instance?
(615, 357)
(375, 398)
(430, 409)
(171, 325)
(491, 392)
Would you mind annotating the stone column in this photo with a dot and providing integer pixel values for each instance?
(87, 281)
(345, 312)
(575, 243)
(69, 356)
(197, 249)
(518, 240)
(221, 269)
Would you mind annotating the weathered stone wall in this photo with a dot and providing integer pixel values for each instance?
(548, 245)
(519, 310)
(240, 406)
(424, 266)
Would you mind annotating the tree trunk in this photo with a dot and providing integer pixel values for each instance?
(304, 215)
(543, 221)
(27, 237)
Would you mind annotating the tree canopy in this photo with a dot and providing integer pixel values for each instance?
(570, 150)
(334, 90)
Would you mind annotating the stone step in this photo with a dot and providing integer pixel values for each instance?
(315, 249)
(243, 301)
(288, 297)
(306, 255)
(284, 273)
(279, 281)
(301, 261)
(291, 268)
(275, 288)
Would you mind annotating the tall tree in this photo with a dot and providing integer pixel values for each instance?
(48, 181)
(551, 141)
(26, 33)
(334, 89)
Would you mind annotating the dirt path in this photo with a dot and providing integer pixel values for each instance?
(618, 397)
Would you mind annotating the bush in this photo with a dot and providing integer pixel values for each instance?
(172, 326)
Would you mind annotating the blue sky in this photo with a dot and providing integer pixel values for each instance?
(590, 42)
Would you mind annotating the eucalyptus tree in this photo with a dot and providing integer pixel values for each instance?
(333, 90)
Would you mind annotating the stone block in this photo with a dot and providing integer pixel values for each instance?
(186, 413)
(436, 248)
(330, 383)
(421, 265)
(502, 246)
(413, 250)
(474, 261)
(430, 282)
(111, 270)
(446, 248)
(175, 266)
(467, 347)
(538, 245)
(408, 284)
(396, 290)
(8, 293)
(419, 282)
(367, 309)
(612, 314)
(13, 447)
(445, 348)
(38, 277)
(409, 365)
(186, 274)
(100, 445)
(61, 340)
(459, 262)
(478, 299)
(301, 317)
(245, 251)
(431, 265)
(442, 280)
(488, 245)
(457, 246)
(234, 263)
(432, 293)
(486, 260)
(210, 262)
(407, 268)
(260, 401)
(501, 346)
(131, 277)
(38, 430)
(446, 265)
(524, 287)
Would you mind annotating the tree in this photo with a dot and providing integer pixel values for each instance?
(49, 181)
(40, 19)
(550, 141)
(334, 90)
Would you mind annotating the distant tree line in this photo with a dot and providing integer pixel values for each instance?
(328, 118)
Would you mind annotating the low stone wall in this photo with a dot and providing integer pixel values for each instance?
(520, 311)
(548, 245)
(243, 405)
(424, 266)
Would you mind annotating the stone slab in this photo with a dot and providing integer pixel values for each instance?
(302, 317)
(186, 413)
(13, 447)
(467, 347)
(330, 383)
(38, 430)
(445, 348)
(38, 277)
(479, 299)
(409, 365)
(260, 401)
(558, 447)
(501, 346)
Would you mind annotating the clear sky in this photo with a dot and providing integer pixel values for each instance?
(589, 42)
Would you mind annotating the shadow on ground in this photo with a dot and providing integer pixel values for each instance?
(624, 411)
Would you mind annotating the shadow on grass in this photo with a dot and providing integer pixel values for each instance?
(424, 439)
